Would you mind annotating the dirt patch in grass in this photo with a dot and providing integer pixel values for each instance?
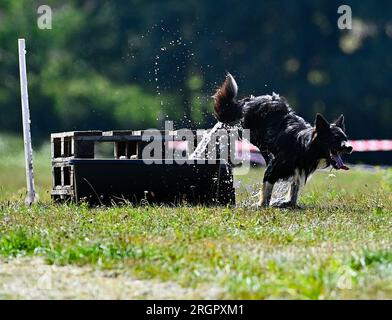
(31, 278)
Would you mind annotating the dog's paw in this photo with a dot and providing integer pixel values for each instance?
(283, 205)
(259, 206)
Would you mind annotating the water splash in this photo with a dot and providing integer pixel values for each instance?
(176, 50)
(156, 77)
(172, 47)
(199, 152)
(281, 191)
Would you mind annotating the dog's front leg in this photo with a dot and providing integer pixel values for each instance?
(294, 191)
(265, 194)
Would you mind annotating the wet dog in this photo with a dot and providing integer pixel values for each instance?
(292, 148)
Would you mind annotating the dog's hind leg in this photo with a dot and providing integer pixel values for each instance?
(276, 169)
(265, 194)
(266, 190)
(268, 183)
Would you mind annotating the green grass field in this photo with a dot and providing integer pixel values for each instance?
(337, 246)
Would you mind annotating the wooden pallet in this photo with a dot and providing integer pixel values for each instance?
(78, 171)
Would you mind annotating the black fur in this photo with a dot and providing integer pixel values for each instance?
(287, 142)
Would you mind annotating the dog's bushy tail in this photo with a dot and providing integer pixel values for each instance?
(226, 107)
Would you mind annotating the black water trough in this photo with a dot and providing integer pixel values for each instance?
(105, 181)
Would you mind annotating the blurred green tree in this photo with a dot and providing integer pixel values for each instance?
(133, 64)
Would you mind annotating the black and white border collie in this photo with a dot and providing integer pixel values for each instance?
(291, 147)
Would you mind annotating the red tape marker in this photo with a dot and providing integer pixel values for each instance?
(358, 145)
(371, 145)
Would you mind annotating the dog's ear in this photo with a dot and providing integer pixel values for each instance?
(321, 123)
(340, 122)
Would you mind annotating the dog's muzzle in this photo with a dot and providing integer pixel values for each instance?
(346, 148)
(335, 156)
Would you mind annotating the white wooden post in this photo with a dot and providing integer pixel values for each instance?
(31, 195)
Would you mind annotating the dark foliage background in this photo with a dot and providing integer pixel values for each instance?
(133, 64)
